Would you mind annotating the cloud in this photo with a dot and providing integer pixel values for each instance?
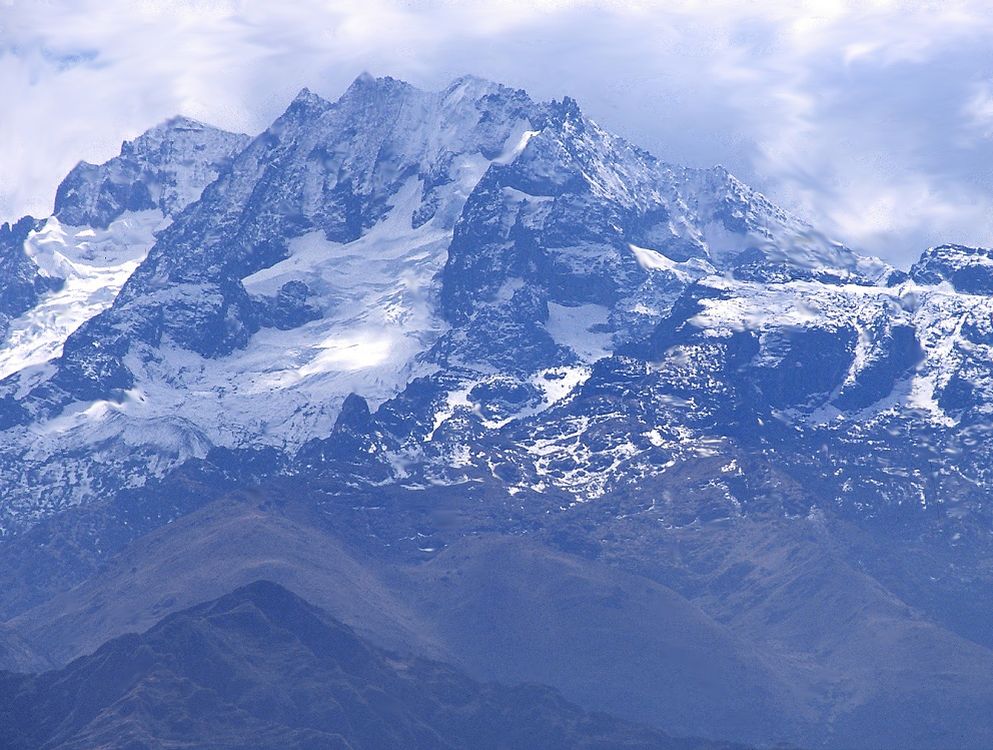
(857, 120)
(871, 119)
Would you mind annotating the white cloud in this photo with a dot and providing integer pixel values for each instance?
(872, 119)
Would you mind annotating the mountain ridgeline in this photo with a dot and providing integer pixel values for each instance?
(260, 668)
(493, 385)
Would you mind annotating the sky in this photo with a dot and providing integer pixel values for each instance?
(871, 120)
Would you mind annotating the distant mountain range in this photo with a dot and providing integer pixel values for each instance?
(491, 384)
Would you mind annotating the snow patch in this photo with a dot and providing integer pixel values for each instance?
(652, 260)
(376, 295)
(686, 271)
(556, 383)
(517, 142)
(573, 327)
(95, 264)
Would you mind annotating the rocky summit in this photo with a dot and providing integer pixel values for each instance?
(445, 332)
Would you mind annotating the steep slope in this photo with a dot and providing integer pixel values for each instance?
(80, 270)
(60, 272)
(261, 668)
(23, 281)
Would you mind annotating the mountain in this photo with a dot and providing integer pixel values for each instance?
(374, 240)
(261, 668)
(165, 169)
(62, 271)
(17, 655)
(501, 607)
(467, 336)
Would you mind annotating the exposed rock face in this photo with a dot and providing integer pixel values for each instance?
(166, 169)
(23, 282)
(968, 269)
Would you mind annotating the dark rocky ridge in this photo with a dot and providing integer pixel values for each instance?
(260, 668)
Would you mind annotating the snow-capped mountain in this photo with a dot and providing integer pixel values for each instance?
(468, 293)
(164, 169)
(351, 247)
(487, 251)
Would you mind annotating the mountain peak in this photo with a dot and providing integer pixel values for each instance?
(471, 86)
(967, 269)
(255, 653)
(266, 596)
(166, 167)
(177, 122)
(567, 110)
(306, 96)
(364, 78)
(366, 82)
(305, 104)
(167, 131)
(471, 79)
